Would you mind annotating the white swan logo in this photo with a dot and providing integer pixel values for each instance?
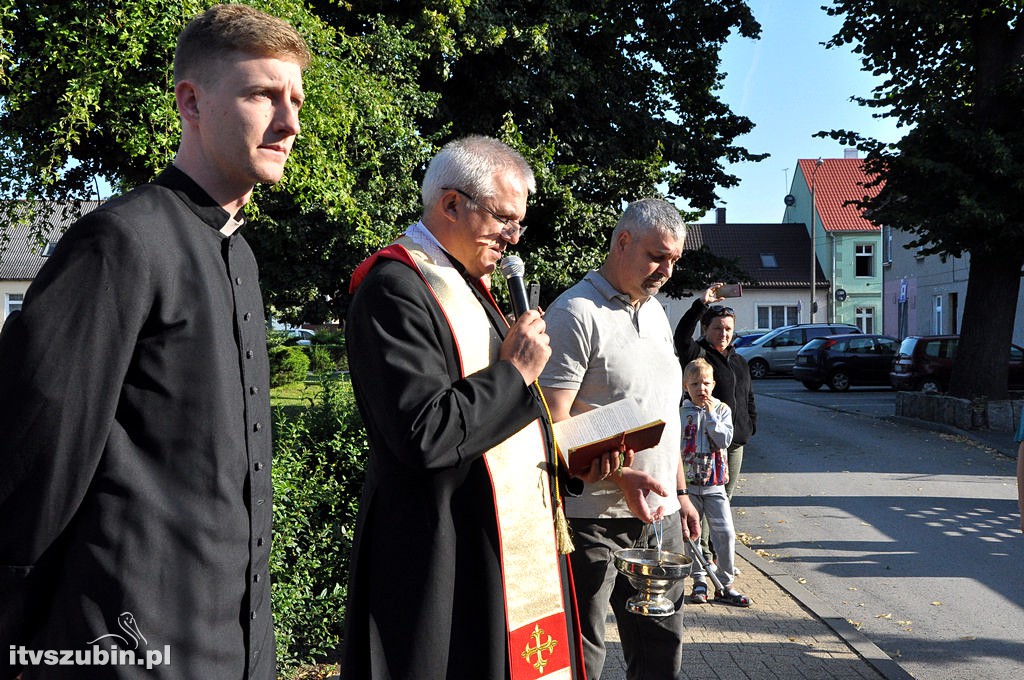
(123, 650)
(126, 621)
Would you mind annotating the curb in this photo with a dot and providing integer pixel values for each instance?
(867, 650)
(977, 436)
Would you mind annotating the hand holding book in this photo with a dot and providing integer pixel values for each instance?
(616, 427)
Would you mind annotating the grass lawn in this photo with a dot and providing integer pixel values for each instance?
(295, 394)
(303, 393)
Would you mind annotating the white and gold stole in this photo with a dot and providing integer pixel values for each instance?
(539, 643)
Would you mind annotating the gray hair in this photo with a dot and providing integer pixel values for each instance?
(470, 164)
(650, 214)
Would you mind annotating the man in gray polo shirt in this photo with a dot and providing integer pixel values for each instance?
(611, 340)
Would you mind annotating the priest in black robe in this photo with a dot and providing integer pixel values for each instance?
(135, 490)
(443, 385)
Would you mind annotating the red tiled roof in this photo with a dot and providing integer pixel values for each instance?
(839, 180)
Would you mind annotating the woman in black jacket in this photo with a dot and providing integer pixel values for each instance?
(732, 376)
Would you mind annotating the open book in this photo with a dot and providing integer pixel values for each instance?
(617, 426)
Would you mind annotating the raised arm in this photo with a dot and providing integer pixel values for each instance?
(686, 346)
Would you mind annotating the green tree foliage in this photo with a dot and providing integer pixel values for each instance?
(86, 91)
(624, 89)
(611, 101)
(955, 74)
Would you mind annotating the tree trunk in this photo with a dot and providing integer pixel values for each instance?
(983, 353)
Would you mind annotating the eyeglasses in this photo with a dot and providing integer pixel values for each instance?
(510, 228)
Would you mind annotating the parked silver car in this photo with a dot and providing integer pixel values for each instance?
(776, 351)
(300, 336)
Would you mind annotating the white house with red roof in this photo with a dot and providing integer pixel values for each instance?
(847, 245)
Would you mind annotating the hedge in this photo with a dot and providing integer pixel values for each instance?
(319, 455)
(288, 364)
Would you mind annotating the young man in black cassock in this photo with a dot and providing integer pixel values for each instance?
(135, 494)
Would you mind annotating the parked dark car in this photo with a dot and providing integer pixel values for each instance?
(775, 351)
(840, 361)
(925, 362)
(744, 339)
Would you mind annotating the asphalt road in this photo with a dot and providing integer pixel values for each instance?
(910, 534)
(875, 401)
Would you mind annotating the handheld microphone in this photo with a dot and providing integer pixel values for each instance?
(513, 269)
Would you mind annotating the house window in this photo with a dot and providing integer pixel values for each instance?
(48, 250)
(768, 261)
(866, 319)
(865, 260)
(773, 316)
(887, 247)
(12, 303)
(937, 316)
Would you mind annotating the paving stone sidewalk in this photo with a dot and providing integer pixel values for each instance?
(786, 634)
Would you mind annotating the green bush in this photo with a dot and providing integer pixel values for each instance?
(320, 360)
(287, 364)
(319, 454)
(276, 338)
(339, 355)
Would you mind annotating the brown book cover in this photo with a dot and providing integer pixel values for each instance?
(618, 426)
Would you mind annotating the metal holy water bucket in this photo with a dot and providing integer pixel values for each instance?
(652, 572)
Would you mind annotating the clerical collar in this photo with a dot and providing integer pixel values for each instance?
(200, 202)
(422, 237)
(232, 225)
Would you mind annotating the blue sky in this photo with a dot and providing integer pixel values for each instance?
(791, 87)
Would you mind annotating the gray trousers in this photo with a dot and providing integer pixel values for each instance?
(653, 647)
(735, 465)
(713, 506)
